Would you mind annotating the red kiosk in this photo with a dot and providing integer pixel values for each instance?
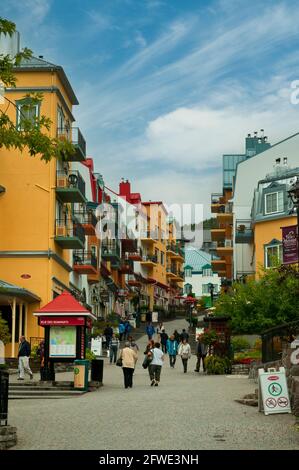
(66, 322)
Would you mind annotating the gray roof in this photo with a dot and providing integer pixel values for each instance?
(40, 65)
(7, 289)
(196, 258)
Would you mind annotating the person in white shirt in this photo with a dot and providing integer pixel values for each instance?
(185, 352)
(155, 366)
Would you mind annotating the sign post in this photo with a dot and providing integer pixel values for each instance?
(273, 392)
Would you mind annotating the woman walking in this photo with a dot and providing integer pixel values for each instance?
(172, 350)
(129, 358)
(185, 352)
(155, 366)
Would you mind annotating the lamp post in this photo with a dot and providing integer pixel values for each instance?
(293, 194)
(211, 289)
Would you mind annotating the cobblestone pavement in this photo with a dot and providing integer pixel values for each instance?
(187, 411)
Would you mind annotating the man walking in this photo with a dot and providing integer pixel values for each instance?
(156, 365)
(201, 353)
(24, 355)
(113, 348)
(150, 330)
(172, 349)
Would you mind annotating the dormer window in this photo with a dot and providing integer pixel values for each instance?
(274, 202)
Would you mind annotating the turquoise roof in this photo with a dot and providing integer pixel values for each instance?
(196, 258)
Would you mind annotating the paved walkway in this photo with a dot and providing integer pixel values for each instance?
(187, 411)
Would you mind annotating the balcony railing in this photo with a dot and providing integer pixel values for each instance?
(69, 234)
(87, 219)
(150, 234)
(149, 258)
(225, 244)
(172, 270)
(243, 230)
(70, 186)
(86, 258)
(135, 255)
(217, 198)
(110, 249)
(175, 249)
(74, 136)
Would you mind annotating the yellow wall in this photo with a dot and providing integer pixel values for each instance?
(28, 206)
(264, 233)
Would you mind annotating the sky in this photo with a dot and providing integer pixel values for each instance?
(168, 86)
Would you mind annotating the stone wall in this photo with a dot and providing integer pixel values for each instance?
(8, 437)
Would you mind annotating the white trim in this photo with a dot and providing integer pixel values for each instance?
(64, 314)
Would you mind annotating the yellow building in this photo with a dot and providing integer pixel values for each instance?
(272, 210)
(37, 230)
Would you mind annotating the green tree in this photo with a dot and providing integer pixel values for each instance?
(34, 134)
(4, 331)
(264, 303)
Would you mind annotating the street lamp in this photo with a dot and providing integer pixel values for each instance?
(211, 289)
(293, 194)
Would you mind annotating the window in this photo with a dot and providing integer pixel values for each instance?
(26, 111)
(188, 272)
(162, 258)
(93, 250)
(187, 288)
(274, 202)
(273, 255)
(205, 289)
(207, 272)
(157, 254)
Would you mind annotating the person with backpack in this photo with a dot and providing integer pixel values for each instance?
(172, 350)
(150, 330)
(163, 338)
(121, 330)
(184, 335)
(185, 352)
(156, 364)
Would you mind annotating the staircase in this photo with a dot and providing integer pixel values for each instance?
(36, 390)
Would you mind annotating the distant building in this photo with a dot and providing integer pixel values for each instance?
(199, 274)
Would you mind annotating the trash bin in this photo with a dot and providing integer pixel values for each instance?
(97, 367)
(81, 374)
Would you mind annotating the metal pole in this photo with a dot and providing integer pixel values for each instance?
(13, 330)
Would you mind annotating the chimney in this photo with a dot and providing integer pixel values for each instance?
(125, 189)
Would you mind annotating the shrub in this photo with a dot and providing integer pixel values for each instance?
(239, 343)
(218, 365)
(89, 355)
(34, 354)
(209, 337)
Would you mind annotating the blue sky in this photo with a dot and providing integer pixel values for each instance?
(167, 86)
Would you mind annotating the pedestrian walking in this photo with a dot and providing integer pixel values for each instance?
(185, 352)
(201, 352)
(24, 355)
(150, 330)
(155, 366)
(121, 330)
(133, 344)
(177, 337)
(127, 330)
(172, 350)
(160, 327)
(163, 340)
(41, 353)
(184, 335)
(150, 345)
(113, 348)
(129, 359)
(108, 335)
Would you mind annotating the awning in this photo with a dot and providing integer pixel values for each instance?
(11, 290)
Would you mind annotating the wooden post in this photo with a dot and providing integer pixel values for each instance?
(21, 319)
(13, 329)
(26, 321)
